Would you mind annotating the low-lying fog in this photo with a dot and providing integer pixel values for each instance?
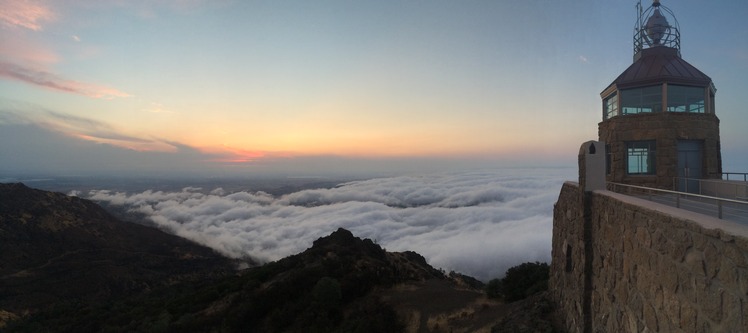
(476, 223)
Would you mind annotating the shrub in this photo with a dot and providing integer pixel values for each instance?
(493, 288)
(520, 282)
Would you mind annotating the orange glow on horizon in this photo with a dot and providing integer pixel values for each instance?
(235, 155)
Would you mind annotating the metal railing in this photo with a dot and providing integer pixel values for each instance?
(728, 209)
(726, 175)
(727, 189)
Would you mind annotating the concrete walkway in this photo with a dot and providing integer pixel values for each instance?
(731, 211)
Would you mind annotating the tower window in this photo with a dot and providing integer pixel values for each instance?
(641, 100)
(607, 159)
(610, 105)
(685, 99)
(640, 157)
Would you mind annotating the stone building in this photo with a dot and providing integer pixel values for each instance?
(659, 121)
(622, 263)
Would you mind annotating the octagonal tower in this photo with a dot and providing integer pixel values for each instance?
(659, 122)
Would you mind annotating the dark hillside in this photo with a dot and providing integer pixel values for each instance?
(58, 249)
(327, 288)
(66, 265)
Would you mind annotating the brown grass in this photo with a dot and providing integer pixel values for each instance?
(438, 305)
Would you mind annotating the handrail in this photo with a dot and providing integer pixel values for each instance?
(744, 174)
(728, 189)
(722, 174)
(678, 195)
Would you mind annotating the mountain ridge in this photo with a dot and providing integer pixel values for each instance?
(67, 265)
(55, 247)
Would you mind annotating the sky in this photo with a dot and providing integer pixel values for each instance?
(475, 223)
(247, 87)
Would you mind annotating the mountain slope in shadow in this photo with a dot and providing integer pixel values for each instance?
(66, 265)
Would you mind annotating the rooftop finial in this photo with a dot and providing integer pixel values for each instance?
(654, 29)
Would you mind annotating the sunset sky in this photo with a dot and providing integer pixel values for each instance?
(185, 85)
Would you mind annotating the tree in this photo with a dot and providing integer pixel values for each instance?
(520, 282)
(493, 288)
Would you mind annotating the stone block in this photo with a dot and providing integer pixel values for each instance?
(743, 282)
(728, 275)
(725, 237)
(659, 297)
(686, 284)
(736, 256)
(742, 244)
(659, 242)
(679, 250)
(688, 317)
(694, 260)
(669, 278)
(710, 303)
(671, 309)
(650, 318)
(679, 235)
(635, 323)
(704, 326)
(699, 240)
(621, 293)
(744, 314)
(712, 260)
(643, 237)
(734, 314)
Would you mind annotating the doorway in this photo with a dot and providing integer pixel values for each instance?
(690, 165)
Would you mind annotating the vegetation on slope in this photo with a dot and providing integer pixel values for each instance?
(520, 282)
(68, 266)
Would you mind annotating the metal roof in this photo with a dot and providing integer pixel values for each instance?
(657, 65)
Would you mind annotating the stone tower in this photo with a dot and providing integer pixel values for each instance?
(659, 122)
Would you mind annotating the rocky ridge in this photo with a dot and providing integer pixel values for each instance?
(57, 249)
(66, 265)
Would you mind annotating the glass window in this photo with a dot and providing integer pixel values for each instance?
(685, 99)
(641, 100)
(640, 157)
(611, 106)
(607, 159)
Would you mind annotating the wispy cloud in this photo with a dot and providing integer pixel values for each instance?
(479, 223)
(583, 59)
(51, 81)
(25, 50)
(95, 131)
(24, 14)
(89, 129)
(79, 127)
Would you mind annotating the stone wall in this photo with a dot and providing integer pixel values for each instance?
(567, 280)
(630, 265)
